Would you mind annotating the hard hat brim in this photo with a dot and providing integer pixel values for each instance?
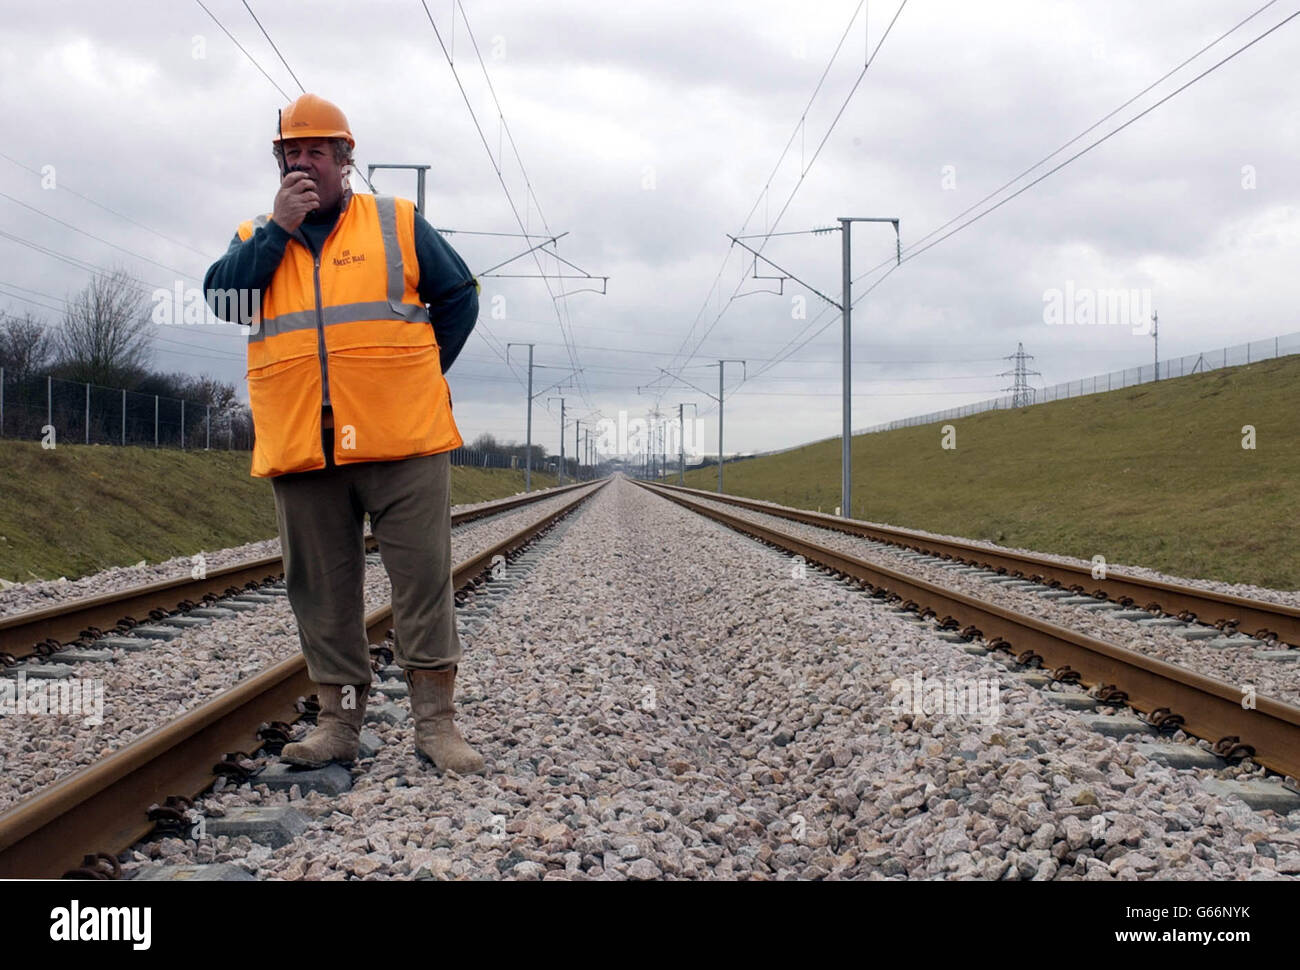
(316, 133)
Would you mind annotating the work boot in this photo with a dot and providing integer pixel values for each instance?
(337, 734)
(436, 736)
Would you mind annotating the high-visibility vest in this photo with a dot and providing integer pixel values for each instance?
(347, 328)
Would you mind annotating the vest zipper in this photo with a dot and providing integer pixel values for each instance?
(320, 313)
(320, 340)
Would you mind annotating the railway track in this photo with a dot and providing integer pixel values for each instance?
(78, 824)
(1267, 622)
(1169, 696)
(80, 622)
(719, 715)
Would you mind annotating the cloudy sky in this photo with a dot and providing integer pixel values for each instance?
(648, 132)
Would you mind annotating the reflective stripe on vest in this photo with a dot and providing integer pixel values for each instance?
(359, 324)
(392, 309)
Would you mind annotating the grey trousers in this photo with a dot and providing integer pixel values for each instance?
(320, 515)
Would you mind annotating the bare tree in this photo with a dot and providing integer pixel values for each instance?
(26, 347)
(105, 334)
(232, 427)
(485, 442)
(197, 389)
(206, 389)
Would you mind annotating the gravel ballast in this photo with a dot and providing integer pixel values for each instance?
(1235, 665)
(1247, 590)
(38, 594)
(662, 698)
(143, 690)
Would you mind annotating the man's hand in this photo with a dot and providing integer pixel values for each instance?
(296, 198)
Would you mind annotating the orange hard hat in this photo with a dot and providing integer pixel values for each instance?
(311, 116)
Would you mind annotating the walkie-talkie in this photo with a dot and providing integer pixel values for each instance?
(285, 169)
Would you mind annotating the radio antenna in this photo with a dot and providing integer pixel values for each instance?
(279, 126)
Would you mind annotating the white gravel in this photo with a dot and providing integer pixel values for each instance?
(38, 594)
(142, 691)
(661, 698)
(1238, 666)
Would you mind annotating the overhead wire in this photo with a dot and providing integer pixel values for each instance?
(775, 168)
(99, 239)
(273, 47)
(1099, 141)
(1098, 123)
(916, 249)
(496, 167)
(356, 162)
(75, 261)
(481, 328)
(141, 286)
(244, 51)
(570, 341)
(219, 354)
(64, 187)
(803, 174)
(136, 282)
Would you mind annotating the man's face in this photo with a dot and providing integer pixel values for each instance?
(316, 157)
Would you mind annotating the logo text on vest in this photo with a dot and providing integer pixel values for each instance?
(346, 258)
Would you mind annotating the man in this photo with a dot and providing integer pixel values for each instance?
(352, 415)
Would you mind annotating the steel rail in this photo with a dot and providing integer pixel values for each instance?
(103, 807)
(1208, 708)
(1267, 621)
(514, 502)
(37, 632)
(43, 631)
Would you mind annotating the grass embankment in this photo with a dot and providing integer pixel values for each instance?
(1154, 475)
(470, 485)
(75, 509)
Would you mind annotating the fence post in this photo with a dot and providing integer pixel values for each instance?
(124, 417)
(155, 420)
(2, 402)
(49, 400)
(87, 412)
(207, 420)
(182, 424)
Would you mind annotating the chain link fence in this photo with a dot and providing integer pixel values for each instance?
(485, 459)
(50, 409)
(550, 465)
(1233, 356)
(71, 412)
